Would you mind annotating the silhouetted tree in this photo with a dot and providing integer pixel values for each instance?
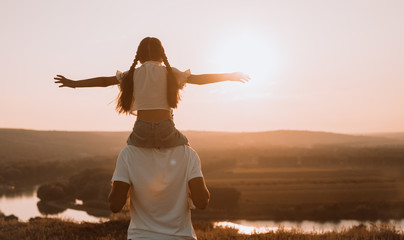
(52, 191)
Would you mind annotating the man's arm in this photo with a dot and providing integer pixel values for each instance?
(91, 82)
(214, 78)
(199, 192)
(118, 195)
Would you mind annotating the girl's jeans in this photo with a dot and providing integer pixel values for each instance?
(156, 135)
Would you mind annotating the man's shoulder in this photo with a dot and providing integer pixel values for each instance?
(182, 150)
(130, 149)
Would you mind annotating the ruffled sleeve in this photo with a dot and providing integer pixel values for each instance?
(120, 75)
(182, 77)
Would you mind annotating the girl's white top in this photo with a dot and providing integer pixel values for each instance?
(150, 85)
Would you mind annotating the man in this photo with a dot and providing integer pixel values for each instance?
(159, 182)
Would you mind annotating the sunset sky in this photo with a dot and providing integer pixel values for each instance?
(333, 66)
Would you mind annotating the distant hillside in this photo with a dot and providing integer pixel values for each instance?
(52, 145)
(398, 135)
(286, 138)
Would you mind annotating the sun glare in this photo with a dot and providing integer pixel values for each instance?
(247, 52)
(251, 53)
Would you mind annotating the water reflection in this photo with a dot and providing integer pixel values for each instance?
(46, 209)
(258, 227)
(245, 229)
(11, 191)
(26, 205)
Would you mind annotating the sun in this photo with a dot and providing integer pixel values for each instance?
(247, 52)
(250, 52)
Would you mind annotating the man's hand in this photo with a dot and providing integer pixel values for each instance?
(199, 192)
(64, 81)
(117, 196)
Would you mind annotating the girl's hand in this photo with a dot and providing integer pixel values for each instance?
(64, 81)
(239, 77)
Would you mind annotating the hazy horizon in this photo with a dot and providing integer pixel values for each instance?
(332, 66)
(213, 131)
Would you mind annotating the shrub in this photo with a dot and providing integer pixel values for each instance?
(52, 191)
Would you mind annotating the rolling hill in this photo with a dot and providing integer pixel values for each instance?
(58, 145)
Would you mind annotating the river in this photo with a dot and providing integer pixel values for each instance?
(24, 206)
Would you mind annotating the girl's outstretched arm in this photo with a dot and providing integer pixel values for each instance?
(91, 82)
(214, 78)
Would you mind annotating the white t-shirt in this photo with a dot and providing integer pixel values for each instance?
(150, 85)
(159, 190)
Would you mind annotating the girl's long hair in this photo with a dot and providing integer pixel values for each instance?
(149, 49)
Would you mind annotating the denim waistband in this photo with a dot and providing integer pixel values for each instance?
(168, 120)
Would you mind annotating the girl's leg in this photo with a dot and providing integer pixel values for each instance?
(141, 135)
(168, 136)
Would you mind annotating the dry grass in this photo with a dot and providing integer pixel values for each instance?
(382, 232)
(54, 229)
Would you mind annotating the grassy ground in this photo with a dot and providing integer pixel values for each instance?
(55, 229)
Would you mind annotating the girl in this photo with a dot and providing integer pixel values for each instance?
(151, 91)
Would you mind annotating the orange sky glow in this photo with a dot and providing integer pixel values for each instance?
(315, 65)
